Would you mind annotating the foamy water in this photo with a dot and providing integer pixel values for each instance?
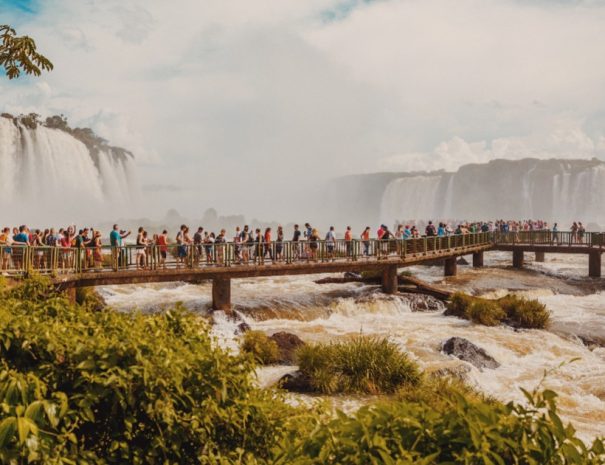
(324, 312)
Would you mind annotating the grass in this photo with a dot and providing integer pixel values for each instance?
(525, 313)
(515, 311)
(367, 365)
(260, 346)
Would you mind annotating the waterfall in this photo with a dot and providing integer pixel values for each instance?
(555, 190)
(410, 198)
(47, 176)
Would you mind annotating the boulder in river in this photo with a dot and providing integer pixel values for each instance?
(242, 328)
(352, 275)
(423, 303)
(295, 382)
(462, 261)
(287, 344)
(467, 351)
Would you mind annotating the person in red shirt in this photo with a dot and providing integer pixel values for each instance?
(162, 243)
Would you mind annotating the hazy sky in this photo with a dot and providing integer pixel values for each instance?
(245, 105)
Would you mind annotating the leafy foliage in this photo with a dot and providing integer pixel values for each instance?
(106, 387)
(362, 365)
(19, 54)
(264, 349)
(101, 387)
(513, 310)
(468, 431)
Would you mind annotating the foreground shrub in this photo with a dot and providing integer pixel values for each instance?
(81, 386)
(525, 313)
(360, 365)
(264, 349)
(468, 431)
(513, 310)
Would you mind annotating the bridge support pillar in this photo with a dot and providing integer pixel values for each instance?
(451, 266)
(518, 258)
(477, 259)
(389, 280)
(221, 294)
(540, 257)
(594, 264)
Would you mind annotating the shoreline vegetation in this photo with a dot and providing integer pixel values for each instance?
(82, 383)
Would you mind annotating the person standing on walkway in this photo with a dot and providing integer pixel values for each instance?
(116, 237)
(330, 243)
(349, 242)
(365, 238)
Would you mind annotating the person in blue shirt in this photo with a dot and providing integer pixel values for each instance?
(20, 239)
(115, 239)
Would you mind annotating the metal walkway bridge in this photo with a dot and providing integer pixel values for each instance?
(72, 267)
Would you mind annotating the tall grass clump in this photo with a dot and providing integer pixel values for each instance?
(264, 349)
(525, 313)
(360, 365)
(515, 311)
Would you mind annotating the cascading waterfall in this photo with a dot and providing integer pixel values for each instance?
(47, 176)
(556, 190)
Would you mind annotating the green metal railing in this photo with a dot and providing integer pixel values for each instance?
(19, 260)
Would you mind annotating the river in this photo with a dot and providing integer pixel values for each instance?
(325, 312)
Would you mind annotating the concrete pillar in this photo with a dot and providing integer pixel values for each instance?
(518, 258)
(389, 280)
(451, 266)
(477, 259)
(540, 257)
(594, 264)
(221, 294)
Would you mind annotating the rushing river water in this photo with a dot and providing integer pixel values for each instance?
(324, 312)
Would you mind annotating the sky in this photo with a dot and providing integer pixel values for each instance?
(247, 106)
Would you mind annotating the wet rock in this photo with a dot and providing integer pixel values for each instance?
(287, 344)
(242, 328)
(295, 382)
(352, 275)
(423, 303)
(467, 351)
(462, 261)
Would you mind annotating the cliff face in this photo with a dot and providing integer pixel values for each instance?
(556, 190)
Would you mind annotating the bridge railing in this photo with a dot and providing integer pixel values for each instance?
(554, 238)
(19, 260)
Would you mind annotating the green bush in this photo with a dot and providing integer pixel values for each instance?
(78, 386)
(513, 310)
(264, 349)
(468, 431)
(486, 313)
(361, 365)
(525, 313)
(459, 304)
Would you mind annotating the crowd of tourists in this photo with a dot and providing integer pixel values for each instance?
(249, 244)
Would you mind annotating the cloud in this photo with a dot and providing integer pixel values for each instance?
(250, 105)
(561, 139)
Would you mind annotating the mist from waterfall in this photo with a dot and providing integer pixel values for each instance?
(555, 190)
(48, 177)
